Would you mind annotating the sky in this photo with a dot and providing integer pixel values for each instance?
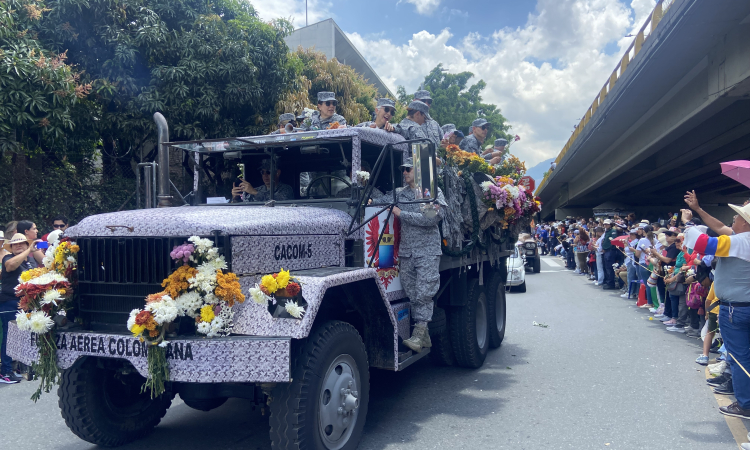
(543, 61)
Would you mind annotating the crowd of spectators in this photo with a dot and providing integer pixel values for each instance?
(689, 270)
(22, 250)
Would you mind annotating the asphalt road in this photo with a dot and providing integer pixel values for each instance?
(601, 376)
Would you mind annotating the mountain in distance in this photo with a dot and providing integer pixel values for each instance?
(537, 172)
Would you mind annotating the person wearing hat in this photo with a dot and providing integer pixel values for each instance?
(431, 127)
(630, 261)
(326, 113)
(385, 110)
(609, 256)
(18, 260)
(451, 136)
(419, 254)
(732, 287)
(283, 120)
(473, 142)
(668, 257)
(245, 192)
(496, 154)
(411, 126)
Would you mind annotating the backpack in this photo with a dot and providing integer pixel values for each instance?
(694, 298)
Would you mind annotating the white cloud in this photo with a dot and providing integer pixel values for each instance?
(424, 7)
(294, 10)
(544, 75)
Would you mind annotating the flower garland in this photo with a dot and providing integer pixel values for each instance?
(510, 200)
(45, 292)
(467, 161)
(279, 285)
(198, 289)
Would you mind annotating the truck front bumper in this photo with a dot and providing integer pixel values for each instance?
(234, 359)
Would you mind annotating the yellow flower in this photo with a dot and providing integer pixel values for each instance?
(137, 330)
(269, 282)
(282, 279)
(207, 313)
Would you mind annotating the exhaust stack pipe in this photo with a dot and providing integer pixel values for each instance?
(165, 200)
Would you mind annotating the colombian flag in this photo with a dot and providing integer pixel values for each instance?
(735, 246)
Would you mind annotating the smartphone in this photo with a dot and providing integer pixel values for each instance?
(42, 245)
(241, 168)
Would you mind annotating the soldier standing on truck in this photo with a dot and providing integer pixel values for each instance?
(431, 127)
(247, 193)
(474, 141)
(283, 120)
(326, 113)
(385, 110)
(419, 255)
(411, 126)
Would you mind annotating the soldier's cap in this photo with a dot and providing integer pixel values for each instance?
(501, 142)
(459, 133)
(408, 162)
(448, 128)
(422, 95)
(326, 96)
(478, 122)
(386, 102)
(416, 105)
(286, 117)
(266, 165)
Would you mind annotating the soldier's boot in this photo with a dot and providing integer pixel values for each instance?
(420, 338)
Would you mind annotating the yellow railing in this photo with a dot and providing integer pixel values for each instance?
(662, 6)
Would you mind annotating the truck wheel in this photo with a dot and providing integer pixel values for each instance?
(537, 264)
(325, 405)
(441, 351)
(521, 287)
(106, 407)
(496, 311)
(469, 328)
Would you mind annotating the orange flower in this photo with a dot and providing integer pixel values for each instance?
(335, 126)
(176, 283)
(228, 288)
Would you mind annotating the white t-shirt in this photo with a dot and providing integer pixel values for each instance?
(643, 245)
(629, 249)
(599, 250)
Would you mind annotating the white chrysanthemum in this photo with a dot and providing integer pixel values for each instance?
(204, 328)
(47, 262)
(48, 278)
(217, 324)
(131, 318)
(219, 263)
(164, 311)
(294, 310)
(211, 299)
(71, 259)
(258, 296)
(486, 185)
(40, 322)
(54, 237)
(363, 176)
(188, 303)
(51, 296)
(22, 321)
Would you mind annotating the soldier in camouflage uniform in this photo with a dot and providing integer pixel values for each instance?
(247, 193)
(431, 127)
(419, 255)
(411, 126)
(454, 136)
(473, 142)
(283, 120)
(495, 155)
(385, 110)
(326, 113)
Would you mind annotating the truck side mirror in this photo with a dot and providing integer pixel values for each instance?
(425, 165)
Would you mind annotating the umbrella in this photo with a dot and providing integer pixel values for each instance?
(737, 170)
(620, 241)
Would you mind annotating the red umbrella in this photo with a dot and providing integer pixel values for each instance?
(737, 170)
(620, 241)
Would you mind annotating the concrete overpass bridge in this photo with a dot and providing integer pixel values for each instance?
(676, 105)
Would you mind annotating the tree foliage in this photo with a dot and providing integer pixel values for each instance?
(454, 101)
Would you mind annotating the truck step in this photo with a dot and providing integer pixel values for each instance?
(410, 358)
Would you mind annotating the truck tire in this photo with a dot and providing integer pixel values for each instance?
(441, 351)
(537, 264)
(496, 310)
(106, 408)
(469, 328)
(329, 376)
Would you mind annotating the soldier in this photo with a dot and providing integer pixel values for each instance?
(419, 255)
(451, 136)
(411, 126)
(474, 141)
(247, 193)
(385, 110)
(431, 127)
(283, 120)
(326, 113)
(496, 155)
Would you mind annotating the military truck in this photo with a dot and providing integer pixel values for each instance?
(312, 375)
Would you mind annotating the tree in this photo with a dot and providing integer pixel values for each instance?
(453, 101)
(315, 73)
